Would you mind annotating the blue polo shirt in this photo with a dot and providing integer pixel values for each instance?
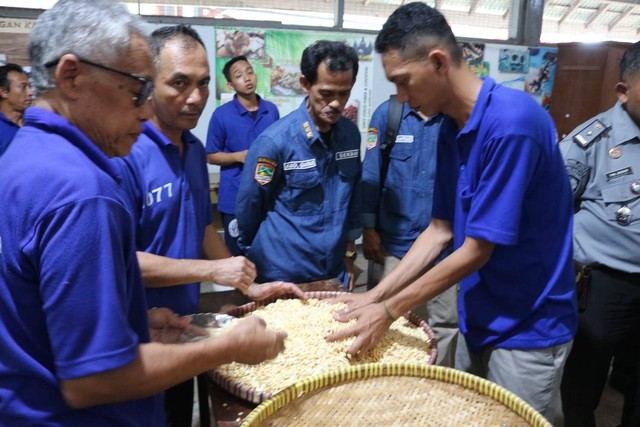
(170, 196)
(71, 297)
(8, 130)
(402, 210)
(232, 128)
(502, 179)
(299, 200)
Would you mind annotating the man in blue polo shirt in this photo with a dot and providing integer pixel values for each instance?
(15, 97)
(298, 206)
(232, 129)
(166, 179)
(76, 344)
(512, 235)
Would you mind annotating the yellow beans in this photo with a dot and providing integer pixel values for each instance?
(307, 352)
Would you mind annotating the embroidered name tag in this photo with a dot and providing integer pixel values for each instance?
(404, 139)
(350, 154)
(299, 165)
(619, 173)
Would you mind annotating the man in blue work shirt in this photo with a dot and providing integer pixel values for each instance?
(232, 129)
(395, 212)
(15, 97)
(298, 206)
(512, 254)
(166, 178)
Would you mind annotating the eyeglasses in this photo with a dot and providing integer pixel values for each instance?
(145, 90)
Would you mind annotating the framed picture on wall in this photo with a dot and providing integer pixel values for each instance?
(513, 61)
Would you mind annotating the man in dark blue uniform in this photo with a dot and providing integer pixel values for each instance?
(396, 211)
(298, 207)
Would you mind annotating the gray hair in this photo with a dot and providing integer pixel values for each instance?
(97, 30)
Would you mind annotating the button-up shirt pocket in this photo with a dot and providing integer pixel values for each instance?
(347, 171)
(621, 203)
(400, 167)
(303, 194)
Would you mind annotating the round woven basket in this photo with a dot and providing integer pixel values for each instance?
(258, 396)
(395, 395)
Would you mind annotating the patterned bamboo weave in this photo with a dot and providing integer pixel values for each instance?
(395, 395)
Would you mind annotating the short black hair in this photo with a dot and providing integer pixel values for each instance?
(226, 70)
(162, 35)
(4, 74)
(414, 29)
(338, 56)
(630, 62)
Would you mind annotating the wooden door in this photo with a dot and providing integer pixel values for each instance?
(584, 84)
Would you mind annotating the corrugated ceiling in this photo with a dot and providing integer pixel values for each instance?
(585, 12)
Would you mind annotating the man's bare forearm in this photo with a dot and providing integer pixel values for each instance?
(469, 258)
(423, 254)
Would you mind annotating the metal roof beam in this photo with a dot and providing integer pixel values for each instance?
(603, 8)
(570, 11)
(338, 14)
(526, 21)
(632, 2)
(628, 11)
(473, 6)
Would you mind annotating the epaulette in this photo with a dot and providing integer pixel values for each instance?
(307, 130)
(589, 134)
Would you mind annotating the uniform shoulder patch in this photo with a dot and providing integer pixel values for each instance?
(265, 168)
(372, 138)
(590, 134)
(578, 176)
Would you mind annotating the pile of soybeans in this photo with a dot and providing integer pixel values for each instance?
(307, 353)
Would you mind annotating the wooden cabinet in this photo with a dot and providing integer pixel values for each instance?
(584, 84)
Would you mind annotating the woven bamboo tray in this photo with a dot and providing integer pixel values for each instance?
(258, 396)
(395, 395)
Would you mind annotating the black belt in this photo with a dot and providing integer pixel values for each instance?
(623, 275)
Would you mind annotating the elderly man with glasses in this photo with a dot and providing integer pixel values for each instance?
(77, 348)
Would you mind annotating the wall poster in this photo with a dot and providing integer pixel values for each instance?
(528, 68)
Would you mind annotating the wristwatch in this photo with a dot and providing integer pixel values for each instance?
(351, 255)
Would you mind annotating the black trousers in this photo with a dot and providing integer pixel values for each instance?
(178, 404)
(610, 324)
